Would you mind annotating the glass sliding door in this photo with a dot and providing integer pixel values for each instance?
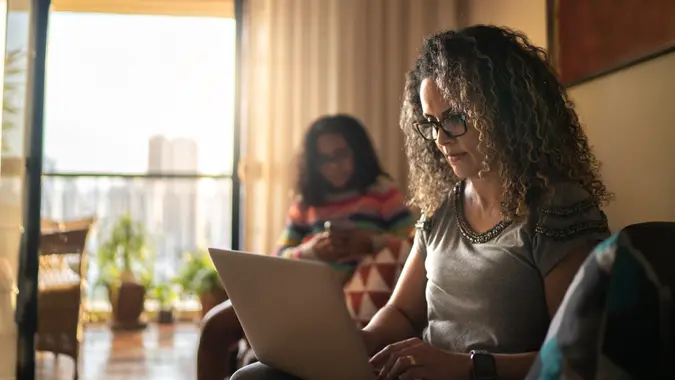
(237, 135)
(139, 122)
(11, 161)
(23, 39)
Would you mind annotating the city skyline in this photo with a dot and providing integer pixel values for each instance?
(180, 215)
(114, 82)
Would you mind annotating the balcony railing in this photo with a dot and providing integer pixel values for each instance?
(181, 213)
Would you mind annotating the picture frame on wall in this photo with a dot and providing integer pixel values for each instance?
(591, 39)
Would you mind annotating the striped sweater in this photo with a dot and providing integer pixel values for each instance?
(380, 209)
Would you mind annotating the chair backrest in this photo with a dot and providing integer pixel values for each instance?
(63, 242)
(656, 242)
(66, 238)
(50, 225)
(62, 257)
(617, 318)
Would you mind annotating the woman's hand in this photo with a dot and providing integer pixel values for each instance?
(413, 359)
(356, 242)
(360, 241)
(325, 246)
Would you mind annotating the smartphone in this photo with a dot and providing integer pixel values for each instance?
(339, 225)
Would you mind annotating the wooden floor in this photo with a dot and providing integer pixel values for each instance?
(160, 352)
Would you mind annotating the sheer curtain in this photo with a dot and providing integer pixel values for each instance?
(306, 58)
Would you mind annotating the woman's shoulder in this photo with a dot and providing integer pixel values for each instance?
(567, 218)
(385, 191)
(297, 201)
(297, 207)
(383, 184)
(440, 218)
(566, 209)
(565, 199)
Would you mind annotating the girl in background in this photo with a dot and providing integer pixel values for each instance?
(342, 186)
(346, 207)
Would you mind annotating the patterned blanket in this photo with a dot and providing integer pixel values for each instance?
(616, 321)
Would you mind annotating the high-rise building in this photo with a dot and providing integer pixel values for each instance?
(183, 156)
(172, 156)
(159, 154)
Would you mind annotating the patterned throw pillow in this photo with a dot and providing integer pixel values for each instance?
(373, 281)
(616, 320)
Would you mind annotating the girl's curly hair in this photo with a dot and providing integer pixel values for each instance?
(528, 128)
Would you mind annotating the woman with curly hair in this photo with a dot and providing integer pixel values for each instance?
(511, 197)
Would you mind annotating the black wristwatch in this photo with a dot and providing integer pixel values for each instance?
(483, 365)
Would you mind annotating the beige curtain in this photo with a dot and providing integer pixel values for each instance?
(306, 58)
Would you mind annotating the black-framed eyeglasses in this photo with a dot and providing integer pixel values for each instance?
(336, 157)
(452, 124)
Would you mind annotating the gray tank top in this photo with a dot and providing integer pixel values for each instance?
(485, 290)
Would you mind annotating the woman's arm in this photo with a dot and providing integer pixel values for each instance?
(565, 233)
(578, 225)
(289, 243)
(556, 283)
(404, 316)
(433, 363)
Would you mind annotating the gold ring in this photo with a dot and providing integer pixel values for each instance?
(411, 359)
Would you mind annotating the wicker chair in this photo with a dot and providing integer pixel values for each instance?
(51, 225)
(61, 286)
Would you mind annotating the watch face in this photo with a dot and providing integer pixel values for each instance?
(484, 367)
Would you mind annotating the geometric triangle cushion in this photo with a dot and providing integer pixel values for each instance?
(374, 279)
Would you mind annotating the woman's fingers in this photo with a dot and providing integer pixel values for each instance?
(325, 251)
(405, 359)
(400, 359)
(380, 359)
(342, 245)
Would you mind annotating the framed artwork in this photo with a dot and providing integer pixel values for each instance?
(589, 39)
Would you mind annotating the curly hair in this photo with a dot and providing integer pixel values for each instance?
(311, 186)
(528, 129)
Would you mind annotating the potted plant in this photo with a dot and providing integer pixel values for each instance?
(199, 277)
(123, 259)
(14, 81)
(165, 295)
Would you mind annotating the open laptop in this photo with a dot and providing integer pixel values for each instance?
(294, 315)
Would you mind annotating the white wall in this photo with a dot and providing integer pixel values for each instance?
(630, 119)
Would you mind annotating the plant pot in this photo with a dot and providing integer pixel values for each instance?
(212, 298)
(165, 316)
(128, 304)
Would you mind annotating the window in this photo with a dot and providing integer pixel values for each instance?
(139, 113)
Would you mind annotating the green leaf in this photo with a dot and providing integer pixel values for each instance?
(198, 274)
(125, 254)
(164, 293)
(15, 66)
